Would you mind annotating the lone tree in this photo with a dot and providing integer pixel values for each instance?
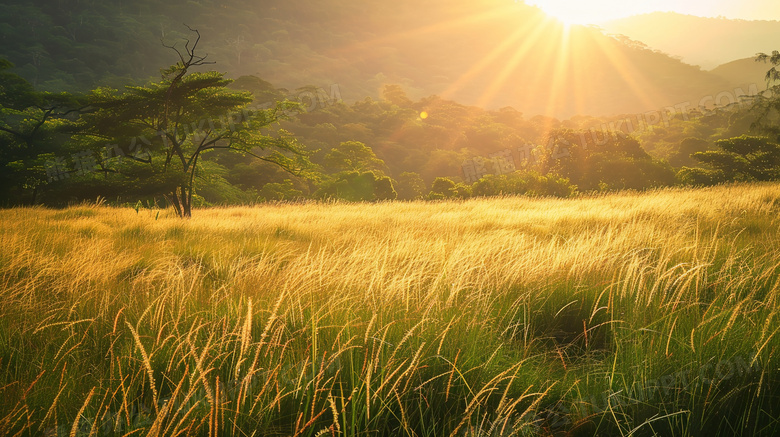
(741, 159)
(179, 119)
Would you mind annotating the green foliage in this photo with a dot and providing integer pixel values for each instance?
(262, 91)
(214, 188)
(699, 177)
(383, 188)
(684, 154)
(410, 186)
(594, 161)
(744, 159)
(69, 45)
(74, 46)
(357, 187)
(401, 139)
(33, 127)
(353, 156)
(442, 188)
(773, 74)
(252, 174)
(767, 105)
(463, 191)
(15, 92)
(396, 95)
(445, 188)
(525, 183)
(280, 191)
(183, 118)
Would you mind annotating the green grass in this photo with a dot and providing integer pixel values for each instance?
(627, 314)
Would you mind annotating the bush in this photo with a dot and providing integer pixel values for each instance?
(357, 187)
(524, 183)
(442, 188)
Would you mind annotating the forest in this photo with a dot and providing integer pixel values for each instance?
(69, 132)
(67, 147)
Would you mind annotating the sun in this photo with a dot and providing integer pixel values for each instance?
(567, 18)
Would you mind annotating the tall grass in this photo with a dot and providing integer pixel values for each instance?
(627, 314)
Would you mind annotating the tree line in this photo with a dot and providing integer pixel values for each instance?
(196, 138)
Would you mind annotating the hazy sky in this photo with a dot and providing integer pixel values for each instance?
(595, 11)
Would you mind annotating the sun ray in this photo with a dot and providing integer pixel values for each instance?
(550, 71)
(418, 32)
(363, 50)
(578, 63)
(559, 77)
(628, 72)
(516, 58)
(494, 54)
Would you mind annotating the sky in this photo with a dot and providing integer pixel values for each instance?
(597, 11)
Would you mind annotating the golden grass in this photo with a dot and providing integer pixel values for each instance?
(392, 318)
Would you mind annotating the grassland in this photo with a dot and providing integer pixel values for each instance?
(627, 314)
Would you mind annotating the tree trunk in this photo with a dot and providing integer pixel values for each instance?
(173, 199)
(186, 192)
(181, 200)
(186, 200)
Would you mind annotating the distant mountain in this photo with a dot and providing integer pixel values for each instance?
(707, 42)
(490, 53)
(743, 72)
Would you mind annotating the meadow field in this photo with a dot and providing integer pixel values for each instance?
(625, 314)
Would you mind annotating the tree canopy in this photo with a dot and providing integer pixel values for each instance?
(180, 119)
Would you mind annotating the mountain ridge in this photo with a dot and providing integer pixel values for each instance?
(493, 54)
(717, 40)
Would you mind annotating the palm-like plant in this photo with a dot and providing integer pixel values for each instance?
(773, 74)
(767, 107)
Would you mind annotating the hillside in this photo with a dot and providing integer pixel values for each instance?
(707, 42)
(491, 54)
(743, 72)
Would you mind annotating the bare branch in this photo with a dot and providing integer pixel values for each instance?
(195, 60)
(173, 47)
